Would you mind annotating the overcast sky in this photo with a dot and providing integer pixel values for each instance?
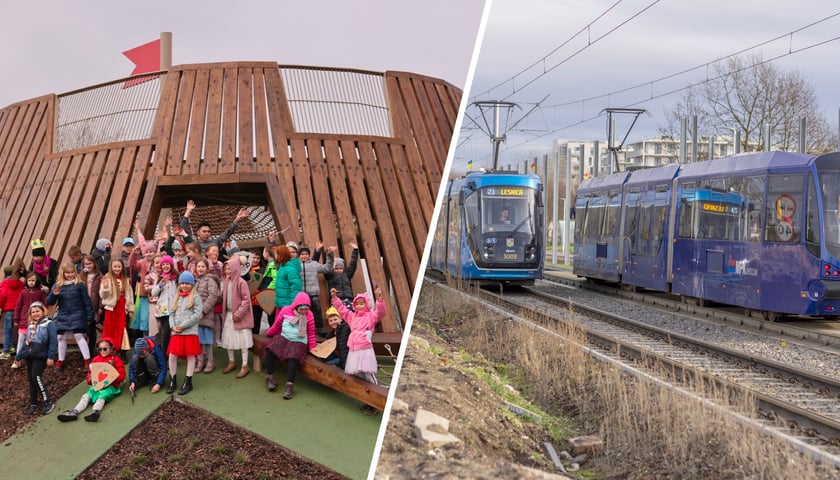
(56, 46)
(669, 37)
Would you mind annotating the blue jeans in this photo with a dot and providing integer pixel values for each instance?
(8, 335)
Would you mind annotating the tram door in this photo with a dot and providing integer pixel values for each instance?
(644, 239)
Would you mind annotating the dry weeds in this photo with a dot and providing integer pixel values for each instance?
(649, 431)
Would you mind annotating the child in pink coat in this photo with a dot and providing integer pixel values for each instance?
(361, 360)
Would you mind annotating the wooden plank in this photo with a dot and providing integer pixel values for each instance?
(195, 143)
(152, 201)
(450, 109)
(303, 188)
(229, 122)
(440, 120)
(279, 208)
(69, 229)
(410, 226)
(397, 166)
(31, 199)
(429, 118)
(392, 340)
(246, 122)
(369, 246)
(280, 122)
(94, 200)
(162, 127)
(341, 202)
(178, 136)
(48, 216)
(397, 265)
(20, 169)
(20, 136)
(402, 129)
(132, 195)
(9, 133)
(210, 164)
(113, 182)
(331, 376)
(124, 224)
(320, 186)
(428, 157)
(261, 121)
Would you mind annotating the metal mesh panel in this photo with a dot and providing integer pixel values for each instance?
(339, 102)
(113, 112)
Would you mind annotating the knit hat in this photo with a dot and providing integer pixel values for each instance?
(141, 346)
(38, 249)
(332, 312)
(168, 259)
(148, 246)
(128, 241)
(102, 244)
(338, 262)
(292, 245)
(187, 277)
(177, 244)
(304, 250)
(7, 270)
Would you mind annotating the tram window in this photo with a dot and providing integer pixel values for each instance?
(783, 212)
(755, 199)
(812, 220)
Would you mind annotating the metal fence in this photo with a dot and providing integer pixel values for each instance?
(111, 112)
(337, 101)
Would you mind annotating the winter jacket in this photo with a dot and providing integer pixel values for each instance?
(74, 307)
(360, 321)
(207, 287)
(289, 331)
(341, 334)
(287, 283)
(44, 342)
(109, 294)
(236, 297)
(27, 297)
(116, 362)
(52, 271)
(309, 274)
(10, 289)
(164, 295)
(93, 292)
(341, 281)
(186, 317)
(157, 352)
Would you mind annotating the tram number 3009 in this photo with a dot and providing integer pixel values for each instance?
(510, 256)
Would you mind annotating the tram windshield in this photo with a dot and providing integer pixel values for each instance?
(504, 209)
(830, 186)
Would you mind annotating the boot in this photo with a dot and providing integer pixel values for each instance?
(186, 387)
(59, 364)
(231, 366)
(48, 407)
(290, 389)
(270, 383)
(172, 384)
(211, 365)
(68, 416)
(87, 364)
(33, 409)
(200, 361)
(243, 372)
(92, 416)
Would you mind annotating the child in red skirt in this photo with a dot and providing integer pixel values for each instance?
(183, 319)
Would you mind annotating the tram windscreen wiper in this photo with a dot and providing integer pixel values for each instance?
(522, 223)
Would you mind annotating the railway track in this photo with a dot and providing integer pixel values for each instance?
(794, 404)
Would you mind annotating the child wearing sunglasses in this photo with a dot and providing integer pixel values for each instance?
(100, 397)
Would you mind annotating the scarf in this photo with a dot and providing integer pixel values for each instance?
(300, 321)
(43, 268)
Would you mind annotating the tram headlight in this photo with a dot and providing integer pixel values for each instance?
(530, 253)
(488, 252)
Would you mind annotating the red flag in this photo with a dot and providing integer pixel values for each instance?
(146, 58)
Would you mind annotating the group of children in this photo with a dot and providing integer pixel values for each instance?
(175, 299)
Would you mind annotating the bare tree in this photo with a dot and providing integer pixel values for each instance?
(747, 93)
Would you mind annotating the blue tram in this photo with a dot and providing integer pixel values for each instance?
(490, 229)
(757, 230)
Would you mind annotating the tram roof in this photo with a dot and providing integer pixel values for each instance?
(744, 163)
